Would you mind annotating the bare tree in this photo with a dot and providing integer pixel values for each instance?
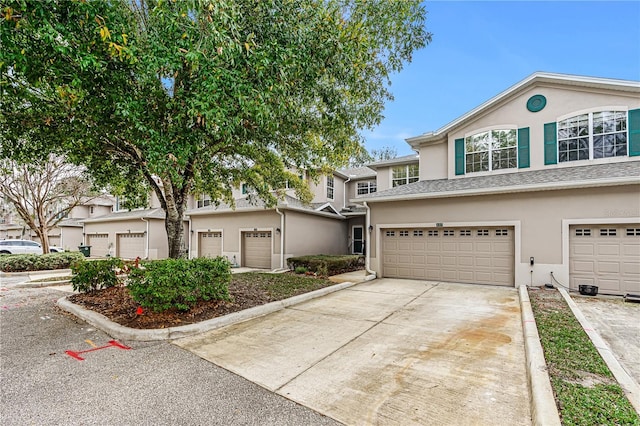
(43, 192)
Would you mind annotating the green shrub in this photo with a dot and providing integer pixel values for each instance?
(38, 262)
(301, 270)
(95, 274)
(179, 283)
(326, 265)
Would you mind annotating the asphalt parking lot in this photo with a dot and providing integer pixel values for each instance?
(152, 383)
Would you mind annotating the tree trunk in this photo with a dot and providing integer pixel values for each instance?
(175, 231)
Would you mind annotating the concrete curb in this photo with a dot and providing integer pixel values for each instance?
(35, 273)
(543, 405)
(628, 384)
(42, 284)
(125, 333)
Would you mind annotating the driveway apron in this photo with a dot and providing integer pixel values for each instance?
(388, 352)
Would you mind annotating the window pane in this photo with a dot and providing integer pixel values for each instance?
(399, 172)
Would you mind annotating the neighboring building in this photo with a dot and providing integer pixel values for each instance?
(542, 179)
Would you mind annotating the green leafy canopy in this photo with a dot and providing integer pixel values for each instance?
(199, 95)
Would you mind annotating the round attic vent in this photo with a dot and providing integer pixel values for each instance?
(536, 103)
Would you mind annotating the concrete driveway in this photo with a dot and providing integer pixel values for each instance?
(388, 352)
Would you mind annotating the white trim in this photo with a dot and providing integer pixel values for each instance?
(197, 232)
(324, 206)
(594, 109)
(489, 128)
(517, 238)
(567, 223)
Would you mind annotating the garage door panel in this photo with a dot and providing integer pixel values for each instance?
(99, 244)
(210, 244)
(474, 255)
(256, 247)
(607, 256)
(131, 246)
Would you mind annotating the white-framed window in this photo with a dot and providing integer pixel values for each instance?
(330, 183)
(491, 150)
(601, 134)
(203, 201)
(402, 175)
(368, 187)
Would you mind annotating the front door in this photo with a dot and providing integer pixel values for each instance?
(358, 240)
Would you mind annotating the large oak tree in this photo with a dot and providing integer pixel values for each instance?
(200, 95)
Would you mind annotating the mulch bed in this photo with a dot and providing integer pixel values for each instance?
(116, 304)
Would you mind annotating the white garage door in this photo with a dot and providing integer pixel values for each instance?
(131, 246)
(210, 244)
(256, 247)
(99, 244)
(607, 256)
(477, 255)
(54, 240)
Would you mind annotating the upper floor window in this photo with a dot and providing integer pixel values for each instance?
(491, 150)
(330, 187)
(203, 201)
(244, 188)
(365, 188)
(594, 135)
(402, 175)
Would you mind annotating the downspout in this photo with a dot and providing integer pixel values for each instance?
(146, 249)
(281, 237)
(189, 235)
(344, 193)
(367, 257)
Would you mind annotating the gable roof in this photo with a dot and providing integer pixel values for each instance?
(532, 80)
(358, 172)
(406, 159)
(608, 174)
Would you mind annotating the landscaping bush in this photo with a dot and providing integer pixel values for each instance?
(95, 274)
(326, 265)
(179, 283)
(38, 262)
(301, 270)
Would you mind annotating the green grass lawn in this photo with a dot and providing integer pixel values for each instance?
(281, 286)
(586, 391)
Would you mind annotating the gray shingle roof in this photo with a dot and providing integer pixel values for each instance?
(256, 203)
(359, 172)
(413, 158)
(523, 180)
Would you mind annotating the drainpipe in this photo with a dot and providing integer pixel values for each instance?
(189, 235)
(281, 237)
(367, 257)
(146, 249)
(344, 193)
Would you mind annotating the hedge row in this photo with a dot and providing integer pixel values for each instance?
(39, 262)
(327, 265)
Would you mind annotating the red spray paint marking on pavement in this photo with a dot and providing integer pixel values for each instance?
(111, 343)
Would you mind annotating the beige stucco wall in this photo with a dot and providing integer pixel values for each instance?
(512, 113)
(319, 191)
(383, 178)
(313, 234)
(540, 221)
(433, 162)
(231, 225)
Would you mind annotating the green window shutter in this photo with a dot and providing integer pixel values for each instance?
(634, 132)
(523, 148)
(459, 156)
(550, 144)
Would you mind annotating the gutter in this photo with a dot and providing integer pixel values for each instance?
(367, 244)
(281, 237)
(146, 248)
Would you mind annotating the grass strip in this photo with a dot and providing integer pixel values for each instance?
(282, 286)
(585, 390)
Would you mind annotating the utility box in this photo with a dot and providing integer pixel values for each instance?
(86, 250)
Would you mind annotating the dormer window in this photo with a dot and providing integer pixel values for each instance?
(402, 175)
(491, 150)
(203, 201)
(594, 135)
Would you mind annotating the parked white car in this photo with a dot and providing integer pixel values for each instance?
(54, 249)
(20, 247)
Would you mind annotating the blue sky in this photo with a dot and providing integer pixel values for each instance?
(481, 48)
